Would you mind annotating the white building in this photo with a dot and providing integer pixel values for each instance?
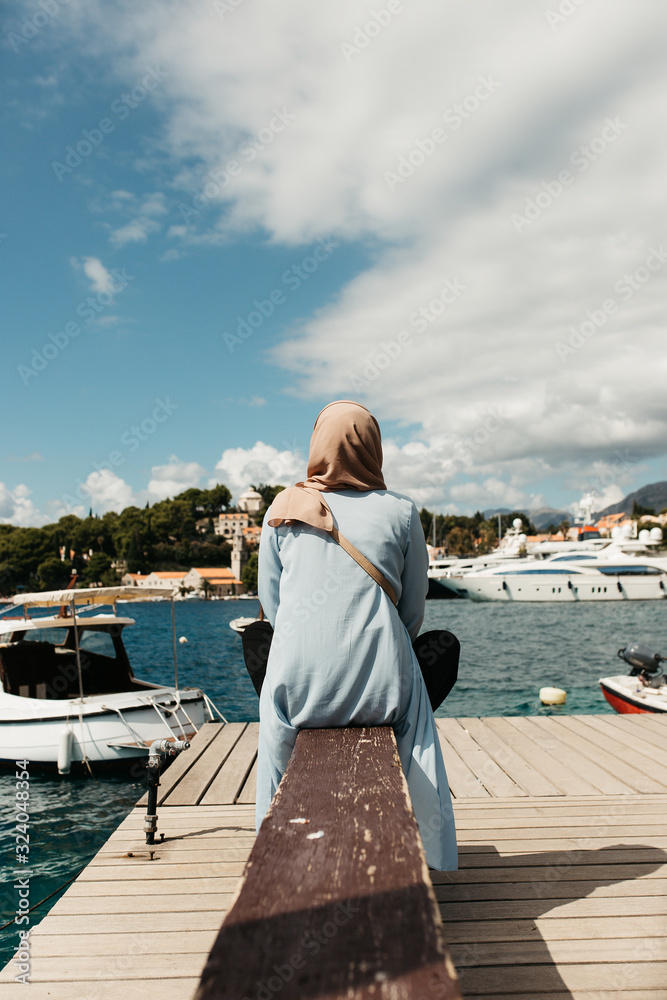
(251, 501)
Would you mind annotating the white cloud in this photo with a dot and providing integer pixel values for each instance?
(107, 491)
(173, 478)
(144, 223)
(239, 467)
(343, 141)
(100, 279)
(35, 456)
(17, 508)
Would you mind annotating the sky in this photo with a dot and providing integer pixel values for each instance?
(218, 216)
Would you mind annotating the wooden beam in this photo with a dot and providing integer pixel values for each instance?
(335, 899)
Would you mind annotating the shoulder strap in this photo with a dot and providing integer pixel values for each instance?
(364, 563)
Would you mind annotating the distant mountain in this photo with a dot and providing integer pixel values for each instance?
(654, 495)
(541, 518)
(545, 516)
(503, 510)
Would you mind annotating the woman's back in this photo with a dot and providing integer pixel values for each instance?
(341, 650)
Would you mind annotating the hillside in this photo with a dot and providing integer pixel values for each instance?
(654, 496)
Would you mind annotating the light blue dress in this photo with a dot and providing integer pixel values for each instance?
(341, 653)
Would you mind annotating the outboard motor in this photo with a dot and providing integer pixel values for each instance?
(644, 662)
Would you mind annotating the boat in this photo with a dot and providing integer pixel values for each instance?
(572, 578)
(240, 624)
(644, 689)
(69, 696)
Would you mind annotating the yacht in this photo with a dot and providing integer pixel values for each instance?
(69, 696)
(607, 575)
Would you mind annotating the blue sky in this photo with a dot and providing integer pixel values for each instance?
(217, 218)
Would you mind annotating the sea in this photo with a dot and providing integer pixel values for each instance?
(508, 652)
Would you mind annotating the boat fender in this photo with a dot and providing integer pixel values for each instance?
(662, 586)
(553, 696)
(504, 584)
(569, 583)
(65, 750)
(618, 584)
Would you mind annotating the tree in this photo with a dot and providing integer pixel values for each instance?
(54, 574)
(99, 570)
(249, 573)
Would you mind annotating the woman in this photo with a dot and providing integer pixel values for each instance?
(341, 653)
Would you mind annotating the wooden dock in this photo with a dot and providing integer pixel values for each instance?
(562, 830)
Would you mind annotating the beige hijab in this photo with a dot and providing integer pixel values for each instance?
(345, 454)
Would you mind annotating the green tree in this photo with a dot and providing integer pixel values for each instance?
(98, 569)
(249, 573)
(54, 574)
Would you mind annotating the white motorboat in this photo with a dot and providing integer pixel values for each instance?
(644, 689)
(593, 576)
(69, 696)
(240, 624)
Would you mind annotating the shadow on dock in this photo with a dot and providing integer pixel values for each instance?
(496, 943)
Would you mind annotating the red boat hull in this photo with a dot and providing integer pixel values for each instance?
(626, 706)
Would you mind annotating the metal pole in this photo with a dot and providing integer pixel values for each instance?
(173, 635)
(78, 651)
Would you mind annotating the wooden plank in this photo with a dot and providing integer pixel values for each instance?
(614, 994)
(524, 909)
(186, 759)
(63, 925)
(541, 763)
(174, 989)
(599, 767)
(652, 726)
(480, 762)
(566, 994)
(639, 738)
(462, 782)
(642, 806)
(539, 979)
(574, 867)
(230, 779)
(193, 785)
(169, 854)
(249, 791)
(566, 768)
(588, 929)
(155, 887)
(138, 965)
(356, 867)
(515, 766)
(631, 765)
(157, 942)
(146, 870)
(204, 898)
(570, 951)
(557, 891)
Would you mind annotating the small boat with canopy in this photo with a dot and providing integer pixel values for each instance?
(69, 696)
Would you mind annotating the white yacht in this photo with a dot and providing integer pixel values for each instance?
(607, 575)
(69, 696)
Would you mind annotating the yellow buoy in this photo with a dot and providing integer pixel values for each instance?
(553, 696)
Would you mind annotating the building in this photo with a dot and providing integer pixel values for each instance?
(218, 581)
(251, 502)
(134, 579)
(166, 578)
(227, 524)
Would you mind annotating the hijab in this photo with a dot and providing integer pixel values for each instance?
(345, 454)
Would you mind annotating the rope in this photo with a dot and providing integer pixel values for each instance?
(54, 893)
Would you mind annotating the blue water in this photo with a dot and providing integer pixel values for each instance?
(508, 651)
